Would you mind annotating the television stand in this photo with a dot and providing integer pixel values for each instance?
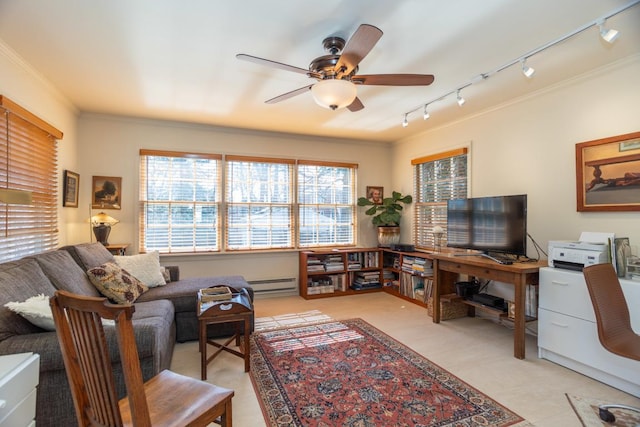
(498, 259)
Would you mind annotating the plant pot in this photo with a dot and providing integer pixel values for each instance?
(388, 235)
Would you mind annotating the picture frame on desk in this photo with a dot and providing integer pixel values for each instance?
(608, 174)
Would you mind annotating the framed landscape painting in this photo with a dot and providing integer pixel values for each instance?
(106, 192)
(608, 174)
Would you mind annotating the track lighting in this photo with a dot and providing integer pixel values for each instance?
(526, 70)
(609, 35)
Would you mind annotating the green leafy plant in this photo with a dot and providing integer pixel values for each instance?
(387, 213)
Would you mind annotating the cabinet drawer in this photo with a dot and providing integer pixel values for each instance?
(577, 339)
(23, 413)
(565, 292)
(18, 383)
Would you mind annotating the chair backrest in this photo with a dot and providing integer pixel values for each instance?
(610, 306)
(85, 352)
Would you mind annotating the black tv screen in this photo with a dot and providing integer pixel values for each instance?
(488, 224)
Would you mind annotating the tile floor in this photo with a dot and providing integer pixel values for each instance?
(476, 350)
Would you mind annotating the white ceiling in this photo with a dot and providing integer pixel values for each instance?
(175, 60)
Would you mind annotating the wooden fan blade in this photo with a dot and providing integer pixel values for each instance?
(269, 63)
(288, 95)
(356, 105)
(358, 46)
(394, 79)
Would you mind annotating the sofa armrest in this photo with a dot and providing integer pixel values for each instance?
(45, 344)
(174, 272)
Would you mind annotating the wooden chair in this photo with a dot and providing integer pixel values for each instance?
(614, 322)
(168, 399)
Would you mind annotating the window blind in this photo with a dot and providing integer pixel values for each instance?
(28, 162)
(179, 202)
(437, 179)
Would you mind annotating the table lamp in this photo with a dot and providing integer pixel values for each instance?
(101, 224)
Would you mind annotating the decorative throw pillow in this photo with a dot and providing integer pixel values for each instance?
(36, 310)
(116, 283)
(165, 275)
(144, 267)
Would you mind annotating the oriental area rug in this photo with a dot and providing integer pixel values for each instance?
(348, 373)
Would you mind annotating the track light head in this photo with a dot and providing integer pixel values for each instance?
(461, 100)
(405, 122)
(609, 35)
(426, 113)
(526, 70)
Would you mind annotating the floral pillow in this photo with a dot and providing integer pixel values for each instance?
(116, 284)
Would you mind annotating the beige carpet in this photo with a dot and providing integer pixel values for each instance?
(291, 319)
(587, 411)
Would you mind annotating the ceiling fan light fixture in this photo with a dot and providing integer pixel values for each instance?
(334, 93)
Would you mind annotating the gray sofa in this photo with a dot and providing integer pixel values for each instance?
(163, 315)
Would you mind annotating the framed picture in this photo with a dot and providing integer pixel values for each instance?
(608, 174)
(106, 192)
(70, 189)
(375, 195)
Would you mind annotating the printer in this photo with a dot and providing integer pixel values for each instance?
(577, 255)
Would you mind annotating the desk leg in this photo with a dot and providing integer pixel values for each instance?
(519, 321)
(437, 280)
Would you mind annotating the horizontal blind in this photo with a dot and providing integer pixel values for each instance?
(28, 162)
(326, 204)
(179, 202)
(437, 179)
(259, 203)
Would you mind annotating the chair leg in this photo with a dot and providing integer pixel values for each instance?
(226, 419)
(607, 416)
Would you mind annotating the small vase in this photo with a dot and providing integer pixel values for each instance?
(388, 235)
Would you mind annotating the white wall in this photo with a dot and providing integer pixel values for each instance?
(528, 146)
(23, 85)
(109, 146)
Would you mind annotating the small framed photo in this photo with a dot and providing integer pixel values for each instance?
(106, 192)
(375, 195)
(70, 189)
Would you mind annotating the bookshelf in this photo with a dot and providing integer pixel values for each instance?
(335, 272)
(408, 275)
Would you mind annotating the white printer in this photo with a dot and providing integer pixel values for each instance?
(577, 255)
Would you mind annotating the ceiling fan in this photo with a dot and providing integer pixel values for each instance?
(336, 71)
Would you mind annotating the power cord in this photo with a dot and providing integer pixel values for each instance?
(538, 249)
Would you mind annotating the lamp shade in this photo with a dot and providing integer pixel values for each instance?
(103, 218)
(333, 94)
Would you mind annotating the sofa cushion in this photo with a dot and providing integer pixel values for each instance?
(65, 273)
(22, 280)
(89, 255)
(116, 284)
(144, 267)
(36, 310)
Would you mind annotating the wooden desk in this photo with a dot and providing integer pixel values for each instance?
(447, 267)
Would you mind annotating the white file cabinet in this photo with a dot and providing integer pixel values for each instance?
(568, 333)
(19, 375)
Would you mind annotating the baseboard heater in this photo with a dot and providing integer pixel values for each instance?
(274, 286)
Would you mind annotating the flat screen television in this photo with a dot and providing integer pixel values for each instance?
(488, 224)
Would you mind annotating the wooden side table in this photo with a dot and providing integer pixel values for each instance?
(237, 310)
(117, 248)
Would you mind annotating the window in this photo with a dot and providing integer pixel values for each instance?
(437, 179)
(259, 203)
(179, 201)
(326, 203)
(28, 162)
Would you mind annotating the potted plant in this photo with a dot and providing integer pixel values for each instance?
(386, 216)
